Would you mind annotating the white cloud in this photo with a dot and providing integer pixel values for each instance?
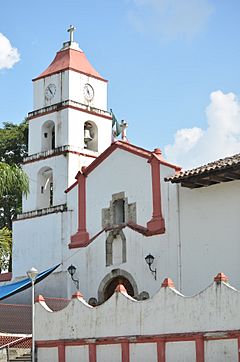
(8, 55)
(195, 146)
(171, 18)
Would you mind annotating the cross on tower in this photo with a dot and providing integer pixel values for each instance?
(71, 31)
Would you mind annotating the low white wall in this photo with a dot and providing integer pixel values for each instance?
(168, 327)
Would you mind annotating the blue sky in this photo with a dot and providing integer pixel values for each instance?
(173, 66)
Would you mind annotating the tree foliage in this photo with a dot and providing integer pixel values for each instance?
(5, 248)
(13, 181)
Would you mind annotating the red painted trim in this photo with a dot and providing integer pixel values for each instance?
(81, 245)
(92, 353)
(220, 277)
(74, 70)
(58, 154)
(238, 338)
(161, 356)
(68, 106)
(199, 342)
(175, 337)
(81, 238)
(118, 144)
(167, 283)
(157, 223)
(61, 352)
(71, 187)
(6, 277)
(125, 352)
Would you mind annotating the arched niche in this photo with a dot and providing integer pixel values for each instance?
(90, 136)
(116, 247)
(45, 188)
(48, 136)
(110, 282)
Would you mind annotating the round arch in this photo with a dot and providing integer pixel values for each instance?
(111, 280)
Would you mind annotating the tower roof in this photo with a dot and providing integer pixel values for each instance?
(70, 57)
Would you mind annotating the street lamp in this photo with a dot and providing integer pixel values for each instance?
(32, 274)
(72, 270)
(149, 260)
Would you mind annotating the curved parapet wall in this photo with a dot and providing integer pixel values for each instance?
(168, 327)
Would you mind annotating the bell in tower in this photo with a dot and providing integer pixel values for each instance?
(88, 132)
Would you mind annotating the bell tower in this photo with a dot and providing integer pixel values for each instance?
(69, 125)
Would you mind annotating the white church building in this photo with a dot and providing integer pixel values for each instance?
(121, 215)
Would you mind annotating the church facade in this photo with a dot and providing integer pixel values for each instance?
(119, 213)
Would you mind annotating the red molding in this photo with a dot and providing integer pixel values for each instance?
(161, 356)
(157, 223)
(199, 342)
(125, 352)
(61, 352)
(174, 337)
(74, 70)
(68, 106)
(92, 353)
(81, 238)
(167, 283)
(238, 338)
(6, 277)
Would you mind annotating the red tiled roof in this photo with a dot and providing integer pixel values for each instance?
(70, 59)
(222, 170)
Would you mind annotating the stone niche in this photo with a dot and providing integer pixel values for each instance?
(119, 211)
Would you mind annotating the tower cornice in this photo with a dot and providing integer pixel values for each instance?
(69, 104)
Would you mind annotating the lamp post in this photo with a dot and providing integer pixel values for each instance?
(72, 270)
(32, 274)
(149, 260)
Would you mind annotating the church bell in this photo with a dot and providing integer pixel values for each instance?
(87, 135)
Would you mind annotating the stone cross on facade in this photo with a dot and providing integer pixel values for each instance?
(71, 31)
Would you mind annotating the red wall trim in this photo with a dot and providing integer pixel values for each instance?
(68, 106)
(175, 337)
(238, 347)
(61, 352)
(199, 341)
(5, 277)
(157, 223)
(92, 352)
(81, 238)
(125, 352)
(161, 351)
(74, 70)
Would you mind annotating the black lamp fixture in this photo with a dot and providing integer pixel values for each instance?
(149, 260)
(72, 270)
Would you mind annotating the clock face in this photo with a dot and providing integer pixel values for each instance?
(50, 91)
(88, 92)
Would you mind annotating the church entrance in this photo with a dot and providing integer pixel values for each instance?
(112, 280)
(112, 284)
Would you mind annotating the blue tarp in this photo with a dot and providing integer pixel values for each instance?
(13, 288)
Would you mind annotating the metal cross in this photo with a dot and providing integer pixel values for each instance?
(71, 31)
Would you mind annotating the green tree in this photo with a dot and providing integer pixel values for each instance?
(13, 182)
(5, 248)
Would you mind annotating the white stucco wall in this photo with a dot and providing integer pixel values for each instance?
(59, 166)
(39, 241)
(181, 352)
(48, 354)
(209, 233)
(69, 86)
(212, 315)
(60, 80)
(76, 353)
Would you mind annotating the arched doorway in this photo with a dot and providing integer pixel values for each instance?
(112, 280)
(111, 286)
